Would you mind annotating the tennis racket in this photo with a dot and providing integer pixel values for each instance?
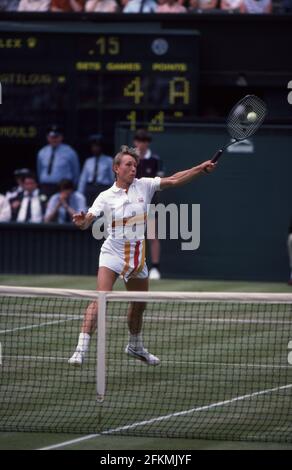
(243, 121)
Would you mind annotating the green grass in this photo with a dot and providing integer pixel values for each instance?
(89, 282)
(203, 362)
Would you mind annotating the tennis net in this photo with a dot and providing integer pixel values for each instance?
(225, 367)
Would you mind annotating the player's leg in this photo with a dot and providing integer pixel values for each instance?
(135, 348)
(105, 282)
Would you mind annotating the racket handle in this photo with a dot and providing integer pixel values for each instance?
(217, 156)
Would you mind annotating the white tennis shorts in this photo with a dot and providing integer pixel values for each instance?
(126, 258)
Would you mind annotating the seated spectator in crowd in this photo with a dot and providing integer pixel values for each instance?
(171, 6)
(202, 5)
(101, 6)
(97, 174)
(257, 6)
(67, 5)
(31, 203)
(9, 5)
(235, 6)
(19, 177)
(55, 162)
(5, 210)
(140, 6)
(34, 5)
(65, 203)
(193, 5)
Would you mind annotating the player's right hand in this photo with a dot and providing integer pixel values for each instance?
(79, 219)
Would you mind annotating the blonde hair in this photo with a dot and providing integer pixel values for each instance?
(125, 150)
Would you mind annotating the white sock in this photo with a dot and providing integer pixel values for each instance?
(136, 341)
(83, 342)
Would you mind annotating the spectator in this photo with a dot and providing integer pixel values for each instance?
(102, 6)
(32, 203)
(193, 5)
(9, 5)
(5, 210)
(34, 5)
(150, 166)
(19, 177)
(65, 203)
(97, 174)
(257, 6)
(122, 4)
(235, 6)
(55, 162)
(202, 5)
(171, 6)
(67, 5)
(140, 6)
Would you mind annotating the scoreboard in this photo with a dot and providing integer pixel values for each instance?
(88, 82)
(88, 78)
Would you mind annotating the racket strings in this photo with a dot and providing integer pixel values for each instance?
(246, 117)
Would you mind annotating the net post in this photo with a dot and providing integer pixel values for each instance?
(101, 344)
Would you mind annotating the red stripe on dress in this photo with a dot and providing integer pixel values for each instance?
(136, 258)
(136, 255)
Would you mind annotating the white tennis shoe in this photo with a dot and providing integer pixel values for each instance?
(142, 355)
(77, 358)
(154, 274)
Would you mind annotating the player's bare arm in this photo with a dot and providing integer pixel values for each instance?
(183, 177)
(82, 220)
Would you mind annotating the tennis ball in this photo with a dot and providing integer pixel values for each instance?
(252, 116)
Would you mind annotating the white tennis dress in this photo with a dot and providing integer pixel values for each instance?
(125, 213)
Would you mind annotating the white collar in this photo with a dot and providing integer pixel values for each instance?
(116, 189)
(34, 193)
(147, 154)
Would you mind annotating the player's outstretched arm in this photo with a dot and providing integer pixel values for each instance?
(184, 177)
(82, 220)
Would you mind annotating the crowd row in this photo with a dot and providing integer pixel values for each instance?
(147, 6)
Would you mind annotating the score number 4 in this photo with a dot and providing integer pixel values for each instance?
(133, 90)
(178, 89)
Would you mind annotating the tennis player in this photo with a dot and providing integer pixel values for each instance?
(123, 252)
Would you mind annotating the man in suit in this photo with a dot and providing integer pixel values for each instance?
(97, 174)
(31, 203)
(56, 161)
